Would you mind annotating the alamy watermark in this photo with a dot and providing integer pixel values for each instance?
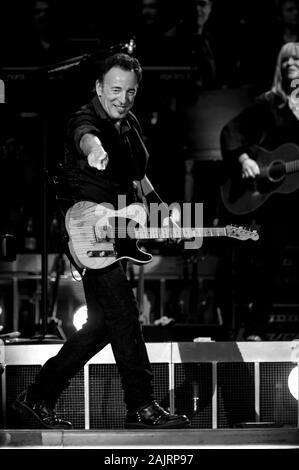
(294, 96)
(154, 221)
(2, 92)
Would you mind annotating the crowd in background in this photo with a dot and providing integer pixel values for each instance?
(225, 39)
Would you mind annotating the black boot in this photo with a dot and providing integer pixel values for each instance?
(41, 411)
(153, 416)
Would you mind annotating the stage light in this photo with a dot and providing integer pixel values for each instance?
(293, 382)
(2, 311)
(80, 317)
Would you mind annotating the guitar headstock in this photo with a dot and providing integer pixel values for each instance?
(241, 233)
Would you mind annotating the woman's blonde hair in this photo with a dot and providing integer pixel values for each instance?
(279, 86)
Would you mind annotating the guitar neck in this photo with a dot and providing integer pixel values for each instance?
(292, 167)
(145, 233)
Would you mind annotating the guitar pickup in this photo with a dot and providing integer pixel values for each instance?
(101, 253)
(104, 232)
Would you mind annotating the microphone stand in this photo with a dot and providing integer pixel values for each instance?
(79, 60)
(49, 71)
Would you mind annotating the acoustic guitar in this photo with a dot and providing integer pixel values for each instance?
(278, 174)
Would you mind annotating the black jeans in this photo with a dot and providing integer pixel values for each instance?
(113, 317)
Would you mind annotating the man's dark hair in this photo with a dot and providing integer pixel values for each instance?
(123, 61)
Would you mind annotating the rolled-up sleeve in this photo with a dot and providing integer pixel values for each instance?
(81, 123)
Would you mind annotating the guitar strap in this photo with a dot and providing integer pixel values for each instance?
(141, 196)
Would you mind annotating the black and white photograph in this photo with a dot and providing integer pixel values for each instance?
(149, 234)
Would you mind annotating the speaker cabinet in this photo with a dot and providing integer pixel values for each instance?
(70, 406)
(94, 398)
(235, 393)
(218, 385)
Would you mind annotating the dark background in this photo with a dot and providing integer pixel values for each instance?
(181, 119)
(38, 102)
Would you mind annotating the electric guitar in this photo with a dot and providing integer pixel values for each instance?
(100, 236)
(278, 174)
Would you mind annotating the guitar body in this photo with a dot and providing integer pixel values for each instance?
(278, 174)
(92, 240)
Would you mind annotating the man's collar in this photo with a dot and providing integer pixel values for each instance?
(99, 108)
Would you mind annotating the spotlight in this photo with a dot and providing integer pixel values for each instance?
(80, 317)
(293, 382)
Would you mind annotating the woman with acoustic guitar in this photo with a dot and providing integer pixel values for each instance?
(260, 149)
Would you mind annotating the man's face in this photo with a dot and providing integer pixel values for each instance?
(117, 92)
(41, 14)
(203, 8)
(289, 13)
(150, 11)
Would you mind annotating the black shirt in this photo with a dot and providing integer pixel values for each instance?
(126, 152)
(268, 122)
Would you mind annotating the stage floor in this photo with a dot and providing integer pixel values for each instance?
(239, 438)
